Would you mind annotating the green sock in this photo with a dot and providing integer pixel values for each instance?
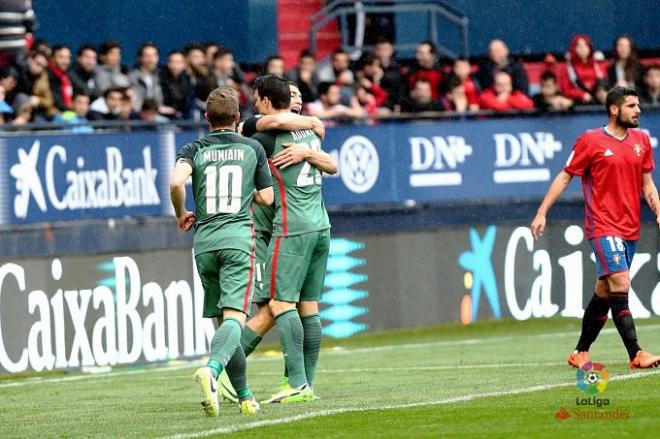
(311, 344)
(225, 341)
(236, 373)
(290, 330)
(249, 340)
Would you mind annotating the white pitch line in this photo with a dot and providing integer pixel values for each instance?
(447, 401)
(331, 351)
(105, 375)
(416, 368)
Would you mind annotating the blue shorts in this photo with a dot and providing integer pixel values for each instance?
(613, 254)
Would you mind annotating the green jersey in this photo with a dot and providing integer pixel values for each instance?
(299, 206)
(227, 168)
(263, 215)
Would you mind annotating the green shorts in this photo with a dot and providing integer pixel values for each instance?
(261, 239)
(228, 279)
(296, 266)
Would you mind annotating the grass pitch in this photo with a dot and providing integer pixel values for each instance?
(492, 379)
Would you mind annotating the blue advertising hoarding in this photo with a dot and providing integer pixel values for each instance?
(456, 160)
(80, 176)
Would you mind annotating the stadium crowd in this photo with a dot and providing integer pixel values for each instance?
(40, 82)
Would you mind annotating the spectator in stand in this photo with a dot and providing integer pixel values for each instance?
(17, 23)
(372, 98)
(210, 48)
(83, 72)
(60, 82)
(550, 99)
(340, 65)
(145, 79)
(462, 70)
(625, 69)
(500, 61)
(502, 97)
(455, 98)
(392, 77)
(304, 74)
(651, 90)
(34, 86)
(176, 85)
(580, 75)
(274, 66)
(78, 114)
(328, 105)
(426, 68)
(420, 99)
(109, 106)
(110, 74)
(202, 80)
(42, 46)
(6, 112)
(228, 73)
(149, 113)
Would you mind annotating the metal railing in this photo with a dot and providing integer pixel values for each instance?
(434, 9)
(185, 125)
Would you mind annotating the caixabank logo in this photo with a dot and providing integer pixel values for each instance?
(508, 274)
(590, 404)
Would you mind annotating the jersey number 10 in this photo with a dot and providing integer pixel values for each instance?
(220, 181)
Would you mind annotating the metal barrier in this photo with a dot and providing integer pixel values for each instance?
(435, 10)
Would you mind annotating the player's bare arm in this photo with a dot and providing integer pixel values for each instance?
(557, 187)
(184, 218)
(264, 196)
(651, 195)
(291, 122)
(297, 152)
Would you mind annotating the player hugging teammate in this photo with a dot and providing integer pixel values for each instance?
(289, 268)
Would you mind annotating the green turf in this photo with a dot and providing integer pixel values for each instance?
(411, 383)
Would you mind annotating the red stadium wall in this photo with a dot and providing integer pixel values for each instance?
(293, 30)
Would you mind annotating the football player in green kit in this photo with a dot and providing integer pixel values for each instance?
(228, 171)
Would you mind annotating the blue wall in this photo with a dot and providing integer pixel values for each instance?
(542, 25)
(247, 27)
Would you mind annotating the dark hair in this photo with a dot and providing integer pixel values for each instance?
(432, 46)
(653, 67)
(273, 57)
(324, 87)
(84, 47)
(149, 105)
(617, 95)
(452, 83)
(366, 59)
(35, 53)
(144, 46)
(548, 76)
(632, 66)
(121, 90)
(192, 46)
(79, 93)
(276, 89)
(338, 52)
(306, 53)
(222, 52)
(222, 106)
(59, 47)
(268, 61)
(381, 39)
(108, 46)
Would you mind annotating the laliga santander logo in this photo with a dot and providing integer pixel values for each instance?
(592, 378)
